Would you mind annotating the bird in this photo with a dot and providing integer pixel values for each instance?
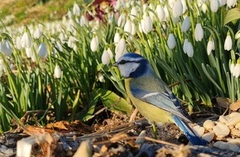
(152, 97)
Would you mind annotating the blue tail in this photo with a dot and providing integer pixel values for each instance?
(192, 137)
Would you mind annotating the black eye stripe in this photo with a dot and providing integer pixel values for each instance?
(128, 61)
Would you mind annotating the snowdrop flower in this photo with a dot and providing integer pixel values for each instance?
(76, 9)
(188, 48)
(133, 32)
(26, 40)
(232, 66)
(228, 42)
(72, 42)
(222, 2)
(210, 46)
(128, 26)
(116, 38)
(237, 35)
(198, 32)
(57, 72)
(177, 8)
(83, 21)
(236, 70)
(18, 43)
(28, 52)
(186, 24)
(134, 13)
(94, 43)
(37, 33)
(42, 51)
(106, 58)
(121, 20)
(231, 3)
(160, 12)
(120, 49)
(70, 14)
(214, 5)
(171, 41)
(5, 48)
(146, 24)
(204, 8)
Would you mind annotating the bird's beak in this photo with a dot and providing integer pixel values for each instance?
(115, 64)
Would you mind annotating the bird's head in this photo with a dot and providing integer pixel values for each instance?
(132, 65)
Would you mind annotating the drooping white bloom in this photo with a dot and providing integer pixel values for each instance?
(121, 20)
(100, 77)
(105, 57)
(29, 52)
(146, 24)
(177, 8)
(198, 32)
(186, 24)
(117, 38)
(188, 48)
(26, 40)
(134, 13)
(72, 42)
(70, 14)
(83, 21)
(232, 66)
(120, 49)
(128, 26)
(236, 70)
(237, 35)
(57, 71)
(37, 33)
(228, 42)
(133, 32)
(94, 43)
(5, 48)
(231, 3)
(204, 8)
(42, 50)
(160, 12)
(214, 5)
(171, 41)
(222, 2)
(76, 9)
(18, 43)
(210, 46)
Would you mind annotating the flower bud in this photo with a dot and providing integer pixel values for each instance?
(177, 8)
(214, 5)
(76, 9)
(186, 24)
(228, 42)
(57, 72)
(198, 32)
(42, 51)
(210, 46)
(146, 24)
(5, 48)
(94, 43)
(171, 41)
(120, 48)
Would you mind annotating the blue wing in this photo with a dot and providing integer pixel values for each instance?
(156, 92)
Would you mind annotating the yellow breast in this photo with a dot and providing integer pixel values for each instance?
(149, 111)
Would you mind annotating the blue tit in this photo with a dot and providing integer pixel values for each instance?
(152, 97)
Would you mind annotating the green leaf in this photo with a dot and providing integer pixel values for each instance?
(232, 15)
(114, 102)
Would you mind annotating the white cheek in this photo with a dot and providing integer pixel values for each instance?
(127, 68)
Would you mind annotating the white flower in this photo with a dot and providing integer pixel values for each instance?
(133, 32)
(146, 24)
(72, 42)
(171, 41)
(214, 5)
(42, 51)
(210, 46)
(100, 77)
(222, 2)
(198, 32)
(232, 66)
(28, 52)
(186, 24)
(204, 8)
(160, 12)
(26, 40)
(57, 72)
(121, 20)
(76, 9)
(5, 48)
(228, 42)
(231, 3)
(237, 35)
(120, 49)
(105, 57)
(37, 33)
(236, 70)
(83, 21)
(188, 48)
(177, 8)
(70, 14)
(134, 13)
(128, 26)
(94, 43)
(117, 38)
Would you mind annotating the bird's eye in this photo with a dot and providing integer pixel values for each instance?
(122, 62)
